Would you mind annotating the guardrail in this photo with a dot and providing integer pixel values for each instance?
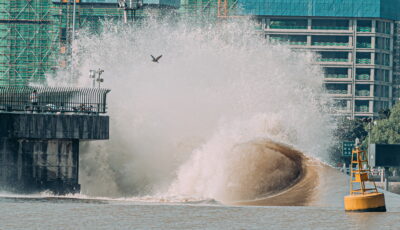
(53, 99)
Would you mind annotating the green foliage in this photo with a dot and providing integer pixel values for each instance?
(349, 130)
(387, 131)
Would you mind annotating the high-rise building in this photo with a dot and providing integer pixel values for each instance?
(357, 43)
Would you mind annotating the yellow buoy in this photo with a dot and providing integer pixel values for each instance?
(362, 198)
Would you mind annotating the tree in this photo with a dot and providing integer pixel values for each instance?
(387, 131)
(347, 130)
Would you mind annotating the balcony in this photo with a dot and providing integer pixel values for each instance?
(364, 29)
(332, 60)
(336, 76)
(337, 91)
(288, 27)
(330, 44)
(362, 77)
(330, 28)
(365, 61)
(363, 93)
(258, 27)
(288, 24)
(362, 108)
(364, 45)
(329, 24)
(297, 43)
(291, 40)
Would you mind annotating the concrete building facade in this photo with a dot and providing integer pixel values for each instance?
(357, 43)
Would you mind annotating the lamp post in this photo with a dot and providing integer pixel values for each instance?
(72, 70)
(96, 77)
(129, 5)
(369, 121)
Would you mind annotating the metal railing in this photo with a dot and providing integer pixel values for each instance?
(53, 100)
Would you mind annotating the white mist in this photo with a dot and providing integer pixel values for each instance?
(174, 123)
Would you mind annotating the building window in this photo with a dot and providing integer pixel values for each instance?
(364, 26)
(290, 39)
(329, 24)
(63, 34)
(363, 74)
(336, 72)
(363, 58)
(383, 27)
(396, 93)
(330, 40)
(336, 88)
(341, 104)
(333, 57)
(362, 106)
(363, 90)
(288, 24)
(382, 43)
(381, 91)
(382, 75)
(380, 105)
(382, 59)
(363, 42)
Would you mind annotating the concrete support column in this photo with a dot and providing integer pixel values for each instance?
(371, 106)
(349, 87)
(372, 74)
(267, 22)
(41, 151)
(309, 23)
(391, 28)
(351, 41)
(353, 25)
(371, 90)
(373, 58)
(373, 39)
(373, 26)
(309, 40)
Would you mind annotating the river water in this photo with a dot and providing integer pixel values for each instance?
(72, 213)
(224, 117)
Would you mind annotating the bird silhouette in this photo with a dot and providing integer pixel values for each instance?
(155, 59)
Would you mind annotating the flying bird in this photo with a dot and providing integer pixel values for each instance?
(155, 59)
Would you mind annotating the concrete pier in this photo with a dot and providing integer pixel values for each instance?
(40, 151)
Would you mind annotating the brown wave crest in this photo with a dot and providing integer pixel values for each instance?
(270, 173)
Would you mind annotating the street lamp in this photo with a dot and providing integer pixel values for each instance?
(129, 5)
(369, 121)
(96, 76)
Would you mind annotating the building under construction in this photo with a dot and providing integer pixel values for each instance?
(358, 41)
(29, 38)
(35, 35)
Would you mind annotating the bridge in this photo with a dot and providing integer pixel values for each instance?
(40, 132)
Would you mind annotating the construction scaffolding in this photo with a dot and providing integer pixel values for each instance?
(29, 36)
(36, 35)
(91, 15)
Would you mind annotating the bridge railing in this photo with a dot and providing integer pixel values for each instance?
(53, 99)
